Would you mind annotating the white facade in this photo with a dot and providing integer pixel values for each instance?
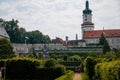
(114, 42)
(92, 40)
(81, 44)
(86, 28)
(87, 18)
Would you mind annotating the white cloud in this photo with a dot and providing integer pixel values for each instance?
(60, 17)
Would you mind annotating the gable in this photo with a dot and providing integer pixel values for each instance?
(3, 32)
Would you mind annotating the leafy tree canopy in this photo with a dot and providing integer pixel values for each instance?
(5, 46)
(18, 34)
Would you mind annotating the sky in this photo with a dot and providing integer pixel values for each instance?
(60, 18)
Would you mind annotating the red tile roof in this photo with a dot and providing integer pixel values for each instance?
(74, 42)
(97, 33)
(57, 40)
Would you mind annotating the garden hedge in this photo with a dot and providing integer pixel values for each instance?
(108, 70)
(30, 69)
(68, 76)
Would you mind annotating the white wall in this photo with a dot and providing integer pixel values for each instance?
(87, 18)
(113, 42)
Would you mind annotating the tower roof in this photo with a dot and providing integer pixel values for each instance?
(87, 10)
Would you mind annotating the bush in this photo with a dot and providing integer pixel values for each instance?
(71, 63)
(30, 69)
(5, 46)
(7, 56)
(84, 76)
(108, 70)
(75, 58)
(21, 68)
(89, 66)
(49, 73)
(67, 76)
(50, 63)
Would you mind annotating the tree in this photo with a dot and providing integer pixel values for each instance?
(6, 49)
(5, 46)
(17, 34)
(102, 39)
(110, 56)
(104, 43)
(37, 37)
(106, 47)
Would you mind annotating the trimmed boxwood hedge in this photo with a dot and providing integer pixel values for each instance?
(108, 70)
(21, 68)
(30, 69)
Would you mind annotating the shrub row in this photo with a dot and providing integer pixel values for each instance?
(67, 76)
(71, 63)
(108, 70)
(29, 69)
(21, 68)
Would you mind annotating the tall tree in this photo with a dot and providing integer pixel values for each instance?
(12, 29)
(18, 35)
(102, 39)
(106, 47)
(37, 37)
(104, 43)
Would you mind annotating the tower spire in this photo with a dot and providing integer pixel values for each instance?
(87, 10)
(87, 19)
(87, 4)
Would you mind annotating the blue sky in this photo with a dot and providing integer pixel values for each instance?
(60, 18)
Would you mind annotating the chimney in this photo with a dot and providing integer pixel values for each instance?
(66, 39)
(76, 37)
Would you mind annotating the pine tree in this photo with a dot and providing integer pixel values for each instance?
(102, 39)
(106, 47)
(104, 43)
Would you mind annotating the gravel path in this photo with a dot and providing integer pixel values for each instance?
(77, 76)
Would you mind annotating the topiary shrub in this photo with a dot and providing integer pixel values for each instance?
(50, 63)
(89, 65)
(21, 68)
(108, 70)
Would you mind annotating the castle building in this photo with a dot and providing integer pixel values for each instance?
(88, 43)
(92, 36)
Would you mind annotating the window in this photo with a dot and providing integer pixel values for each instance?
(85, 19)
(85, 15)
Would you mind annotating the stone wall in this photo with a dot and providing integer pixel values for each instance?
(28, 48)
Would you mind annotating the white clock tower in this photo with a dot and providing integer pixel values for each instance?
(87, 24)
